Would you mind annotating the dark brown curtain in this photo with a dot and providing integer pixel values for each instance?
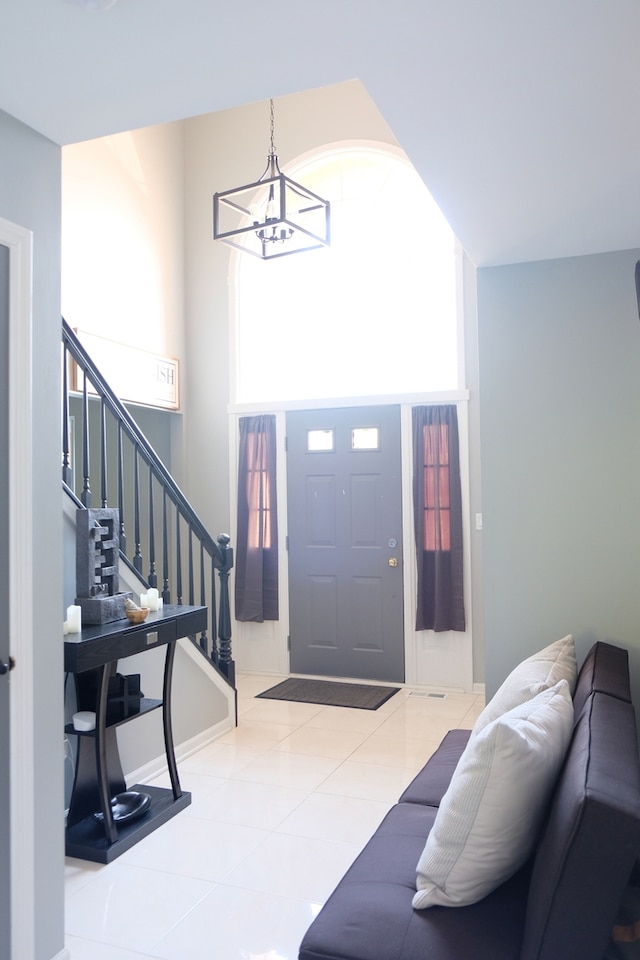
(256, 566)
(437, 503)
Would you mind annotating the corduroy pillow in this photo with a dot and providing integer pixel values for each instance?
(489, 818)
(535, 674)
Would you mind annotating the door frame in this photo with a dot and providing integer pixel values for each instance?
(442, 661)
(19, 240)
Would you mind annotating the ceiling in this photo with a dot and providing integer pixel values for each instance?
(522, 116)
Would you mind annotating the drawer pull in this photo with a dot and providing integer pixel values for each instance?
(152, 638)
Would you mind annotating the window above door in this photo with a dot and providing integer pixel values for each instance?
(375, 313)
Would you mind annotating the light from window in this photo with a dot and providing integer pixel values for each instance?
(365, 438)
(319, 441)
(437, 509)
(258, 494)
(374, 313)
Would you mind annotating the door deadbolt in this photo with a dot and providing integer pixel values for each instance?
(393, 561)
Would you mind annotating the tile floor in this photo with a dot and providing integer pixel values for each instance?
(281, 806)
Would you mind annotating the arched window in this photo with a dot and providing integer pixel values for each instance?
(373, 314)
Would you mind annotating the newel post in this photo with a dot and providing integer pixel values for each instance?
(225, 660)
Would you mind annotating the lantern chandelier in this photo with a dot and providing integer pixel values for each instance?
(272, 217)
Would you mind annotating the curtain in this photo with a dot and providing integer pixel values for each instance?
(256, 566)
(437, 504)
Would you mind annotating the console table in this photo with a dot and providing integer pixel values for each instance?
(92, 657)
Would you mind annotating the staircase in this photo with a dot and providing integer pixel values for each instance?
(169, 548)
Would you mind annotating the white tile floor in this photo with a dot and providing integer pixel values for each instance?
(281, 807)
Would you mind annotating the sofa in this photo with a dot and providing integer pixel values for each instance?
(560, 904)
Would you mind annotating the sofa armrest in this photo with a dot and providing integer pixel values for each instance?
(430, 785)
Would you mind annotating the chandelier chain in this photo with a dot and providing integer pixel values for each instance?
(272, 128)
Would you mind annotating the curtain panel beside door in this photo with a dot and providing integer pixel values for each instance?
(256, 566)
(437, 504)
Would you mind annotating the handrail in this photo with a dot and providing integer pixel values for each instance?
(117, 408)
(169, 515)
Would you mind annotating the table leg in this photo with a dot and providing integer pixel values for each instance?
(166, 720)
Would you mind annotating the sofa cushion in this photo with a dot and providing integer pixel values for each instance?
(538, 672)
(430, 785)
(489, 818)
(369, 916)
(590, 840)
(605, 670)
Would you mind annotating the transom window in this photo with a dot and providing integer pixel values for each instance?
(373, 314)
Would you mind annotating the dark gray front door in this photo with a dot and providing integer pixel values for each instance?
(5, 849)
(345, 543)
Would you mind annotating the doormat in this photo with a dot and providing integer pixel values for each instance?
(330, 693)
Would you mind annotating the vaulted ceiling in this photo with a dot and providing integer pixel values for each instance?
(522, 117)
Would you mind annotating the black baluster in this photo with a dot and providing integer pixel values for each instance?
(214, 624)
(153, 579)
(123, 536)
(178, 559)
(85, 496)
(191, 591)
(67, 472)
(103, 455)
(137, 556)
(166, 596)
(204, 643)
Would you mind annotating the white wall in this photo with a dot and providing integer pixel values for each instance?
(123, 244)
(123, 238)
(560, 431)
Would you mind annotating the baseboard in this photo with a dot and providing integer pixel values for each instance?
(479, 688)
(154, 768)
(63, 955)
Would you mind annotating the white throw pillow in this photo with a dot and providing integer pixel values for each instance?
(538, 672)
(489, 818)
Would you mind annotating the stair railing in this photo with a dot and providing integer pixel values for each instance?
(147, 496)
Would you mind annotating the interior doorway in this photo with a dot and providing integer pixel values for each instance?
(5, 797)
(17, 747)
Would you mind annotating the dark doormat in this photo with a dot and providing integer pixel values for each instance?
(330, 693)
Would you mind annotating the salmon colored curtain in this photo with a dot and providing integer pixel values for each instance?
(437, 503)
(256, 567)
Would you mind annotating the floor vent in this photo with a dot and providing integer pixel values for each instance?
(428, 696)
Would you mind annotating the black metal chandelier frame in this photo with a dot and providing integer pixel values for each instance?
(272, 217)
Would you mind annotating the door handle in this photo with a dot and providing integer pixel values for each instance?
(5, 667)
(393, 561)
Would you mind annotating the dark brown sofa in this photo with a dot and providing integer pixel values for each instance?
(560, 906)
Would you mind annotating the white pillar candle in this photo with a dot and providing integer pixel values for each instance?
(152, 598)
(74, 619)
(144, 600)
(160, 603)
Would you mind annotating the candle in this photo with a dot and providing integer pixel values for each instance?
(152, 598)
(74, 619)
(144, 600)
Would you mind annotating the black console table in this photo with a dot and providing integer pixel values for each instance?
(92, 657)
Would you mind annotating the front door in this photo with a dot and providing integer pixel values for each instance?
(345, 543)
